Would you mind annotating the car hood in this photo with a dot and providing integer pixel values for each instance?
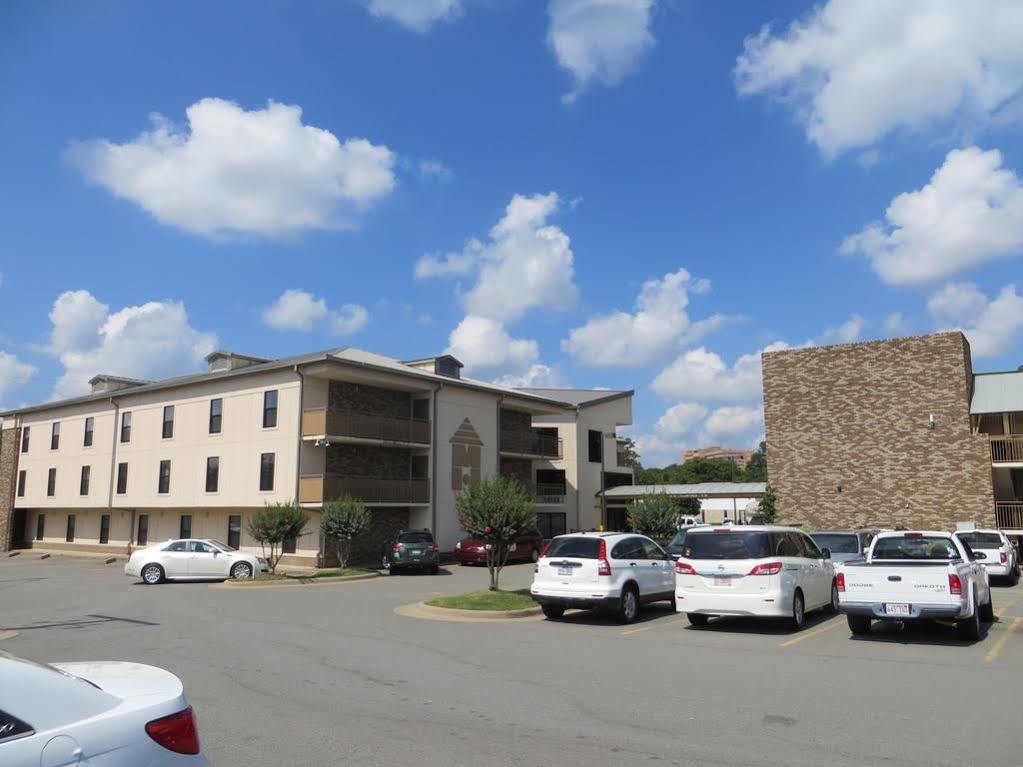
(128, 681)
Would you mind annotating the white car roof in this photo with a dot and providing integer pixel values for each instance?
(967, 532)
(748, 529)
(908, 533)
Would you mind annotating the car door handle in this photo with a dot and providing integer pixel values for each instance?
(632, 564)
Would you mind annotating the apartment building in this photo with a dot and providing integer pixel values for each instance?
(135, 462)
(739, 457)
(894, 432)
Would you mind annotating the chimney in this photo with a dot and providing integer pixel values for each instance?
(221, 360)
(103, 383)
(444, 365)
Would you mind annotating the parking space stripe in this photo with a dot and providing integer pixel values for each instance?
(659, 624)
(1005, 608)
(835, 623)
(993, 652)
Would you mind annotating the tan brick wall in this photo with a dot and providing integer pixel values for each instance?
(10, 441)
(849, 442)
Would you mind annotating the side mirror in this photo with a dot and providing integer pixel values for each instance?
(979, 555)
(826, 552)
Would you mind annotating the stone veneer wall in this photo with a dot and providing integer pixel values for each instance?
(849, 442)
(519, 425)
(519, 468)
(368, 548)
(10, 441)
(344, 396)
(369, 461)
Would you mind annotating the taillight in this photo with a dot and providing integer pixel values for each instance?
(397, 547)
(913, 535)
(684, 569)
(433, 547)
(840, 581)
(603, 566)
(767, 568)
(546, 548)
(176, 732)
(1003, 557)
(955, 585)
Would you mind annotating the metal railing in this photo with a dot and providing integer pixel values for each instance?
(317, 488)
(549, 493)
(531, 443)
(1009, 514)
(351, 423)
(1007, 449)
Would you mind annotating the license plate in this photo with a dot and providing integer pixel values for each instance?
(723, 581)
(564, 571)
(896, 608)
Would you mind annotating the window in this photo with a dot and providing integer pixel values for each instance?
(212, 474)
(164, 484)
(40, 526)
(653, 551)
(104, 528)
(914, 547)
(83, 483)
(185, 528)
(578, 548)
(70, 536)
(266, 471)
(24, 439)
(21, 483)
(596, 443)
(288, 545)
(55, 435)
(122, 478)
(13, 728)
(51, 482)
(177, 546)
(810, 548)
(550, 481)
(234, 531)
(727, 545)
(550, 523)
(216, 415)
(630, 548)
(143, 537)
(269, 409)
(168, 422)
(198, 547)
(788, 545)
(126, 427)
(838, 543)
(89, 424)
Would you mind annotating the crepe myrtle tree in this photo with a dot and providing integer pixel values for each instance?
(659, 515)
(272, 525)
(343, 520)
(495, 511)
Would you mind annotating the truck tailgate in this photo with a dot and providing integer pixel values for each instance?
(899, 585)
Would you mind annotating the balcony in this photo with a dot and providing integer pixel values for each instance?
(321, 422)
(532, 443)
(316, 489)
(1007, 449)
(1009, 515)
(549, 494)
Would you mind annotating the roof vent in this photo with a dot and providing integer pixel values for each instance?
(221, 360)
(104, 383)
(444, 365)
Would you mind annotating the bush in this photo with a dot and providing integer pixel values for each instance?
(343, 520)
(658, 515)
(275, 523)
(768, 511)
(495, 511)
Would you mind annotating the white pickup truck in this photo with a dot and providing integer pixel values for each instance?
(909, 576)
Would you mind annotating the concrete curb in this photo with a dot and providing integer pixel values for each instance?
(7, 634)
(94, 556)
(428, 612)
(292, 582)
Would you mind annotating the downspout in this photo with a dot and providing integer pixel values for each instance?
(433, 460)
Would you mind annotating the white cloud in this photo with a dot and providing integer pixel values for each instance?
(259, 171)
(992, 326)
(455, 264)
(657, 450)
(13, 373)
(417, 15)
(733, 421)
(435, 169)
(536, 377)
(857, 70)
(659, 324)
(970, 212)
(301, 310)
(150, 341)
(895, 324)
(849, 331)
(680, 419)
(486, 349)
(599, 40)
(703, 376)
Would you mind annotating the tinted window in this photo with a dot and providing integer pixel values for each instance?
(178, 546)
(678, 542)
(11, 727)
(653, 551)
(24, 439)
(126, 427)
(185, 526)
(727, 545)
(269, 409)
(104, 529)
(630, 548)
(922, 547)
(787, 545)
(21, 483)
(51, 482)
(143, 536)
(596, 445)
(838, 543)
(234, 532)
(83, 483)
(981, 540)
(70, 536)
(583, 548)
(810, 548)
(266, 471)
(212, 474)
(122, 478)
(216, 415)
(168, 421)
(201, 548)
(163, 486)
(224, 546)
(55, 436)
(89, 423)
(420, 536)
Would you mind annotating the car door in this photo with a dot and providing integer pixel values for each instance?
(638, 561)
(662, 565)
(176, 559)
(819, 571)
(793, 572)
(205, 561)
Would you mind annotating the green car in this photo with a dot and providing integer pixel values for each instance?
(413, 550)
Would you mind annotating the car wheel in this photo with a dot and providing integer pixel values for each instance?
(392, 570)
(241, 571)
(534, 556)
(435, 569)
(553, 612)
(969, 629)
(798, 619)
(987, 612)
(859, 624)
(628, 608)
(697, 619)
(152, 574)
(834, 598)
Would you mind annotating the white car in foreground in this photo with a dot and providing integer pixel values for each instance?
(192, 559)
(612, 572)
(1002, 557)
(100, 713)
(748, 570)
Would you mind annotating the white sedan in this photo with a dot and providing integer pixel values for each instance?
(192, 559)
(101, 713)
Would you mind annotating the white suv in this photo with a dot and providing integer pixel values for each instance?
(772, 572)
(615, 572)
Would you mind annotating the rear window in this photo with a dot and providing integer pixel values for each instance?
(922, 547)
(838, 543)
(583, 548)
(418, 536)
(981, 540)
(727, 545)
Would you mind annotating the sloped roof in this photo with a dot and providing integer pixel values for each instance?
(697, 490)
(579, 397)
(997, 393)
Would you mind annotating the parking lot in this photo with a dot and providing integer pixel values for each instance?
(330, 674)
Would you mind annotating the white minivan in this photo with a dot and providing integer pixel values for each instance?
(763, 571)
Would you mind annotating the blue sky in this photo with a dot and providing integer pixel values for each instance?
(591, 193)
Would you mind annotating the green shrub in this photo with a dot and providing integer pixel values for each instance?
(274, 524)
(343, 520)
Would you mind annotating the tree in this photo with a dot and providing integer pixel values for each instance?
(631, 455)
(768, 510)
(659, 515)
(343, 520)
(274, 524)
(495, 511)
(756, 468)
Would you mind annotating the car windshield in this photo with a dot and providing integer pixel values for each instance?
(223, 546)
(727, 544)
(928, 547)
(583, 548)
(981, 540)
(675, 544)
(418, 536)
(838, 543)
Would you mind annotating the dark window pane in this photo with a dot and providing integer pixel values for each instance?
(143, 536)
(89, 424)
(168, 422)
(12, 728)
(596, 446)
(915, 547)
(83, 485)
(40, 526)
(164, 484)
(126, 427)
(269, 409)
(24, 439)
(216, 415)
(21, 483)
(212, 474)
(289, 544)
(838, 543)
(727, 545)
(551, 523)
(234, 531)
(104, 528)
(266, 471)
(122, 478)
(186, 526)
(580, 548)
(415, 536)
(51, 482)
(55, 436)
(70, 537)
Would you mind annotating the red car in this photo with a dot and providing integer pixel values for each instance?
(527, 548)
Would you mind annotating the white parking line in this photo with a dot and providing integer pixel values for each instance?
(993, 652)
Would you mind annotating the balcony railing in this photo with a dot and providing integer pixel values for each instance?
(1007, 449)
(315, 488)
(350, 423)
(548, 493)
(531, 443)
(1009, 514)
